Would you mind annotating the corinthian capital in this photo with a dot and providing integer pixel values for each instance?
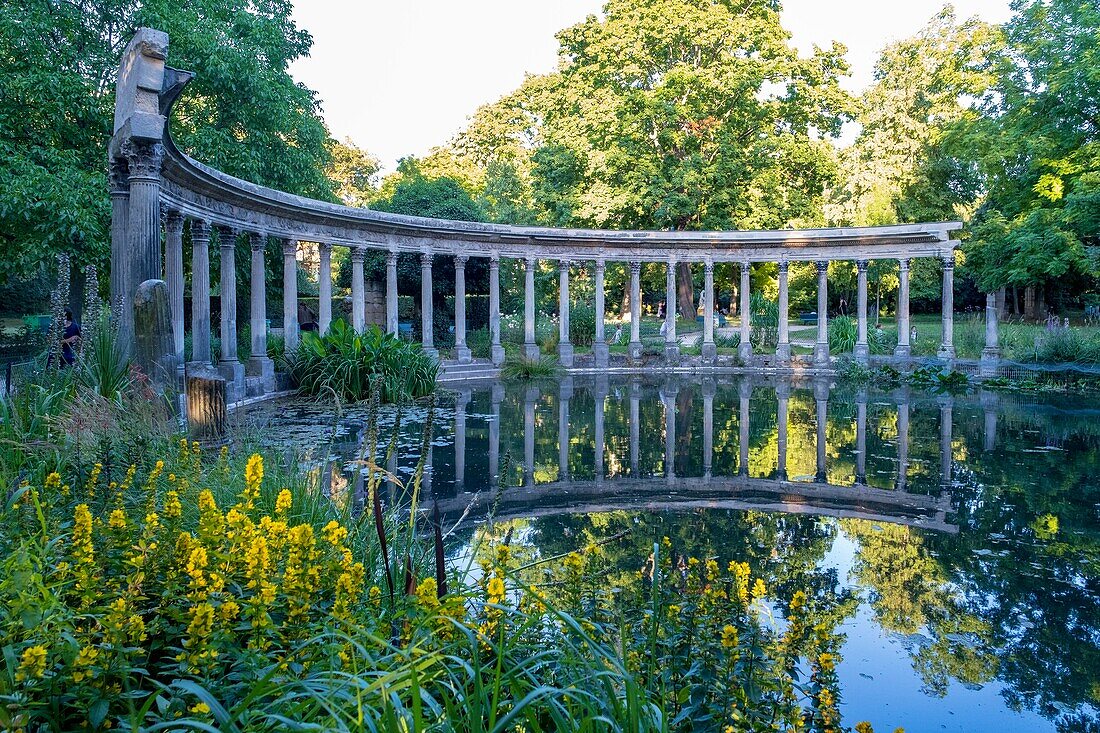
(144, 157)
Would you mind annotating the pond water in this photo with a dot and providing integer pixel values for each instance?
(955, 539)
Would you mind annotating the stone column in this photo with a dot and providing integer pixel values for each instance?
(462, 352)
(173, 275)
(708, 389)
(461, 401)
(668, 398)
(227, 246)
(121, 298)
(494, 309)
(391, 293)
(821, 347)
(259, 365)
(530, 348)
(529, 399)
(200, 291)
(635, 435)
(744, 390)
(783, 348)
(947, 342)
(635, 348)
(600, 350)
(903, 348)
(863, 349)
(599, 393)
(782, 393)
(143, 227)
(946, 455)
(496, 395)
(861, 438)
(821, 400)
(427, 306)
(672, 347)
(290, 293)
(358, 290)
(324, 288)
(708, 350)
(744, 348)
(565, 349)
(903, 440)
(991, 354)
(565, 393)
(989, 403)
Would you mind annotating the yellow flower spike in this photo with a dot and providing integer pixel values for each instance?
(117, 520)
(495, 590)
(53, 482)
(283, 502)
(173, 508)
(729, 636)
(759, 590)
(84, 663)
(32, 664)
(334, 533)
(211, 521)
(253, 479)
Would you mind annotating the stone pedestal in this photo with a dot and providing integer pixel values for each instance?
(782, 353)
(672, 354)
(264, 368)
(497, 354)
(565, 354)
(233, 372)
(601, 354)
(709, 352)
(531, 352)
(634, 350)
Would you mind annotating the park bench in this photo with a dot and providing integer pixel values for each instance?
(807, 319)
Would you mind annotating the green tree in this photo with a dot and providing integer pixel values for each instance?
(353, 172)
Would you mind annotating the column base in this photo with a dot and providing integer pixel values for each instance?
(783, 353)
(565, 354)
(862, 353)
(903, 351)
(744, 351)
(497, 354)
(821, 353)
(264, 368)
(991, 359)
(635, 350)
(709, 352)
(463, 355)
(601, 354)
(531, 352)
(672, 353)
(946, 352)
(233, 371)
(432, 352)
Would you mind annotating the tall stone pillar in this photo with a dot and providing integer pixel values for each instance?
(565, 394)
(903, 440)
(324, 287)
(744, 348)
(744, 393)
(861, 438)
(635, 434)
(529, 398)
(668, 398)
(200, 291)
(783, 347)
(121, 298)
(782, 393)
(991, 354)
(862, 349)
(143, 228)
(599, 394)
(496, 396)
(635, 348)
(173, 275)
(821, 400)
(565, 349)
(530, 348)
(709, 388)
(229, 365)
(708, 350)
(989, 403)
(903, 348)
(462, 352)
(461, 401)
(358, 290)
(947, 343)
(259, 365)
(494, 310)
(672, 346)
(290, 294)
(427, 306)
(600, 350)
(821, 347)
(391, 292)
(946, 453)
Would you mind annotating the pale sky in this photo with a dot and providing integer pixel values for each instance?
(400, 77)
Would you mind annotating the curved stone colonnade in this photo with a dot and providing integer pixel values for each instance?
(153, 184)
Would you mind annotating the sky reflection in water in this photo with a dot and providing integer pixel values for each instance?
(956, 539)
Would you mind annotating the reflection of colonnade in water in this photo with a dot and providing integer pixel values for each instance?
(859, 493)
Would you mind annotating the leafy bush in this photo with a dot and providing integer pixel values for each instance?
(479, 343)
(727, 342)
(582, 325)
(843, 332)
(1068, 346)
(519, 368)
(765, 323)
(353, 365)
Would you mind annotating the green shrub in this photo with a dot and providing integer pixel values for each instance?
(1069, 346)
(520, 368)
(479, 343)
(727, 342)
(843, 333)
(765, 323)
(353, 365)
(582, 325)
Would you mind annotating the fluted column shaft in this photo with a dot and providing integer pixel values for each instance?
(324, 287)
(358, 290)
(862, 348)
(494, 310)
(783, 347)
(530, 348)
(903, 348)
(143, 230)
(635, 347)
(462, 352)
(565, 348)
(200, 291)
(427, 306)
(947, 343)
(173, 275)
(672, 349)
(120, 227)
(290, 294)
(600, 349)
(227, 245)
(391, 293)
(708, 349)
(821, 347)
(258, 295)
(744, 348)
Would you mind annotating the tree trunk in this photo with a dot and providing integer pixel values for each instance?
(1015, 301)
(624, 306)
(685, 291)
(1030, 310)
